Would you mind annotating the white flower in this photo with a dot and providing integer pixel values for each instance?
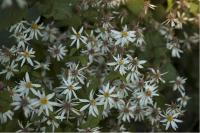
(44, 102)
(58, 51)
(150, 90)
(26, 55)
(106, 96)
(77, 37)
(44, 66)
(139, 112)
(157, 75)
(123, 37)
(178, 84)
(92, 105)
(22, 39)
(88, 129)
(26, 85)
(134, 63)
(133, 76)
(65, 107)
(69, 87)
(76, 73)
(175, 47)
(10, 70)
(18, 27)
(25, 128)
(22, 102)
(6, 54)
(50, 33)
(120, 64)
(4, 116)
(183, 100)
(35, 29)
(153, 114)
(170, 119)
(126, 112)
(7, 3)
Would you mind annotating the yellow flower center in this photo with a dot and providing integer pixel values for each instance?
(71, 87)
(78, 35)
(28, 85)
(26, 54)
(121, 62)
(148, 93)
(124, 34)
(34, 26)
(106, 94)
(170, 118)
(44, 100)
(93, 102)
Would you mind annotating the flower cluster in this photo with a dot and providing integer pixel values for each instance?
(85, 73)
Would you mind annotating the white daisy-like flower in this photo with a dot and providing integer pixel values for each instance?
(26, 55)
(179, 84)
(50, 33)
(175, 48)
(58, 51)
(153, 114)
(10, 70)
(75, 73)
(124, 37)
(120, 63)
(150, 90)
(24, 128)
(44, 103)
(22, 102)
(183, 100)
(5, 116)
(35, 29)
(126, 113)
(92, 105)
(65, 107)
(77, 37)
(26, 85)
(133, 75)
(89, 129)
(157, 76)
(22, 39)
(6, 54)
(18, 27)
(68, 88)
(139, 112)
(135, 63)
(170, 119)
(106, 96)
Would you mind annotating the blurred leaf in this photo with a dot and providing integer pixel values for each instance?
(170, 4)
(135, 6)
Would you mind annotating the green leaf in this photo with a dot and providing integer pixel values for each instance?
(135, 6)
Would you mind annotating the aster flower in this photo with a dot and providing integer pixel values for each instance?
(50, 33)
(170, 119)
(68, 88)
(123, 37)
(150, 90)
(18, 27)
(157, 76)
(153, 114)
(135, 63)
(126, 113)
(26, 85)
(58, 51)
(75, 73)
(77, 37)
(92, 105)
(139, 112)
(44, 103)
(65, 108)
(22, 102)
(10, 70)
(5, 116)
(120, 63)
(24, 128)
(178, 84)
(175, 48)
(35, 29)
(106, 96)
(183, 100)
(26, 55)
